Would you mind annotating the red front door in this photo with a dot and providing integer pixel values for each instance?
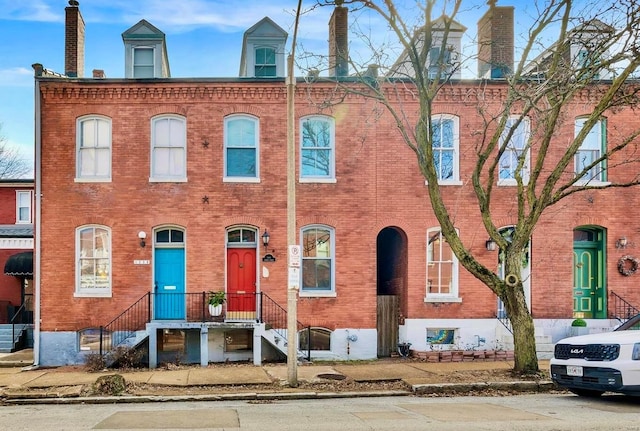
(241, 283)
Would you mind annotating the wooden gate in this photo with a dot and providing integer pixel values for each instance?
(387, 324)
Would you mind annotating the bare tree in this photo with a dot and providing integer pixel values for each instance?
(12, 165)
(518, 141)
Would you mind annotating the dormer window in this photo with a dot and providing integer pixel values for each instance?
(143, 64)
(440, 64)
(265, 61)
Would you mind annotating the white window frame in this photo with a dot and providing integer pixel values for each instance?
(455, 180)
(104, 149)
(93, 291)
(256, 147)
(599, 131)
(152, 65)
(443, 68)
(20, 195)
(331, 176)
(512, 152)
(331, 292)
(452, 295)
(155, 149)
(257, 65)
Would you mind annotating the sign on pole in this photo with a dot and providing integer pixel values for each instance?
(294, 256)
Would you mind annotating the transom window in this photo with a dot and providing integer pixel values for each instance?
(265, 62)
(93, 249)
(445, 144)
(94, 148)
(241, 147)
(442, 267)
(317, 147)
(23, 206)
(586, 165)
(143, 66)
(169, 236)
(241, 236)
(516, 151)
(317, 260)
(169, 151)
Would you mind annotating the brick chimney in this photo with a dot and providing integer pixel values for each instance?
(73, 41)
(339, 42)
(495, 42)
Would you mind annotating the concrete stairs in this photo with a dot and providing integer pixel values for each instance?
(9, 343)
(544, 343)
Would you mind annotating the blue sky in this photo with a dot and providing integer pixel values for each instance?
(204, 39)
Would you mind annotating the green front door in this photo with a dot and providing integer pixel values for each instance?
(589, 292)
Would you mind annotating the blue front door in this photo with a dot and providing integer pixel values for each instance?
(169, 288)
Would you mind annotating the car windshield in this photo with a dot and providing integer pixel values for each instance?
(631, 324)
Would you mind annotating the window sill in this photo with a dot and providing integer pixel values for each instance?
(592, 183)
(434, 299)
(92, 180)
(251, 180)
(510, 183)
(167, 180)
(447, 183)
(92, 294)
(308, 294)
(318, 180)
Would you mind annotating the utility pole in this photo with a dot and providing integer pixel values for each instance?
(292, 286)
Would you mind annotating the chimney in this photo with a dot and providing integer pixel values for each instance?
(98, 74)
(339, 42)
(495, 41)
(73, 41)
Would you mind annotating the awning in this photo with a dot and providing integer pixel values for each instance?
(19, 264)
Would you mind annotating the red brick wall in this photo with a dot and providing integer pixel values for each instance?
(378, 185)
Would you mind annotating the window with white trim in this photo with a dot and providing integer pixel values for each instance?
(93, 146)
(265, 61)
(516, 152)
(442, 267)
(241, 153)
(317, 148)
(590, 150)
(168, 148)
(445, 145)
(24, 198)
(93, 261)
(318, 269)
(143, 62)
(440, 66)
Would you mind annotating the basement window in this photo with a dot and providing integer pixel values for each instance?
(314, 339)
(238, 340)
(89, 339)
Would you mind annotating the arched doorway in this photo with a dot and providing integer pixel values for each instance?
(589, 281)
(391, 287)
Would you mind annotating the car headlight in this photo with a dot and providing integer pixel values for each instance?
(636, 352)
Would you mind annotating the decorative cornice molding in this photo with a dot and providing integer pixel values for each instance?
(16, 243)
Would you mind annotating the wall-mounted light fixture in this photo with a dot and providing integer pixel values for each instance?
(265, 239)
(142, 235)
(621, 242)
(490, 244)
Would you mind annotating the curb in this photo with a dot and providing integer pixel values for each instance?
(418, 390)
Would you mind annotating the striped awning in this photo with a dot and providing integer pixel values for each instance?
(19, 264)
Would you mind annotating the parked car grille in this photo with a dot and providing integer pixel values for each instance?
(588, 352)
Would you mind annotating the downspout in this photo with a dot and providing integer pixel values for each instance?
(38, 212)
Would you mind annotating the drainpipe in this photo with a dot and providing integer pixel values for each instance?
(37, 227)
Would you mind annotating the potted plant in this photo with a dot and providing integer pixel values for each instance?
(215, 302)
(579, 327)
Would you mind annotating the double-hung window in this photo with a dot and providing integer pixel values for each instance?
(317, 148)
(241, 152)
(23, 206)
(586, 165)
(514, 141)
(169, 149)
(143, 62)
(439, 65)
(445, 145)
(93, 159)
(93, 261)
(442, 269)
(318, 269)
(265, 62)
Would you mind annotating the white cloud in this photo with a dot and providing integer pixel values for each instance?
(32, 10)
(16, 77)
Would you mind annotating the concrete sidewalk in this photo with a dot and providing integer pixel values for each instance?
(19, 381)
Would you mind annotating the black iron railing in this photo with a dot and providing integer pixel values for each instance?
(621, 309)
(275, 317)
(125, 325)
(504, 319)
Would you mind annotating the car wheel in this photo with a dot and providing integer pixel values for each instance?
(586, 392)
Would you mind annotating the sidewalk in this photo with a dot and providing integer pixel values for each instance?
(20, 383)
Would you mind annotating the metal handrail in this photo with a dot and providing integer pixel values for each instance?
(125, 324)
(622, 309)
(274, 315)
(21, 309)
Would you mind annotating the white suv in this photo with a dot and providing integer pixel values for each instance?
(589, 365)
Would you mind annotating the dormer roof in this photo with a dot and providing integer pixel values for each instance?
(145, 34)
(265, 32)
